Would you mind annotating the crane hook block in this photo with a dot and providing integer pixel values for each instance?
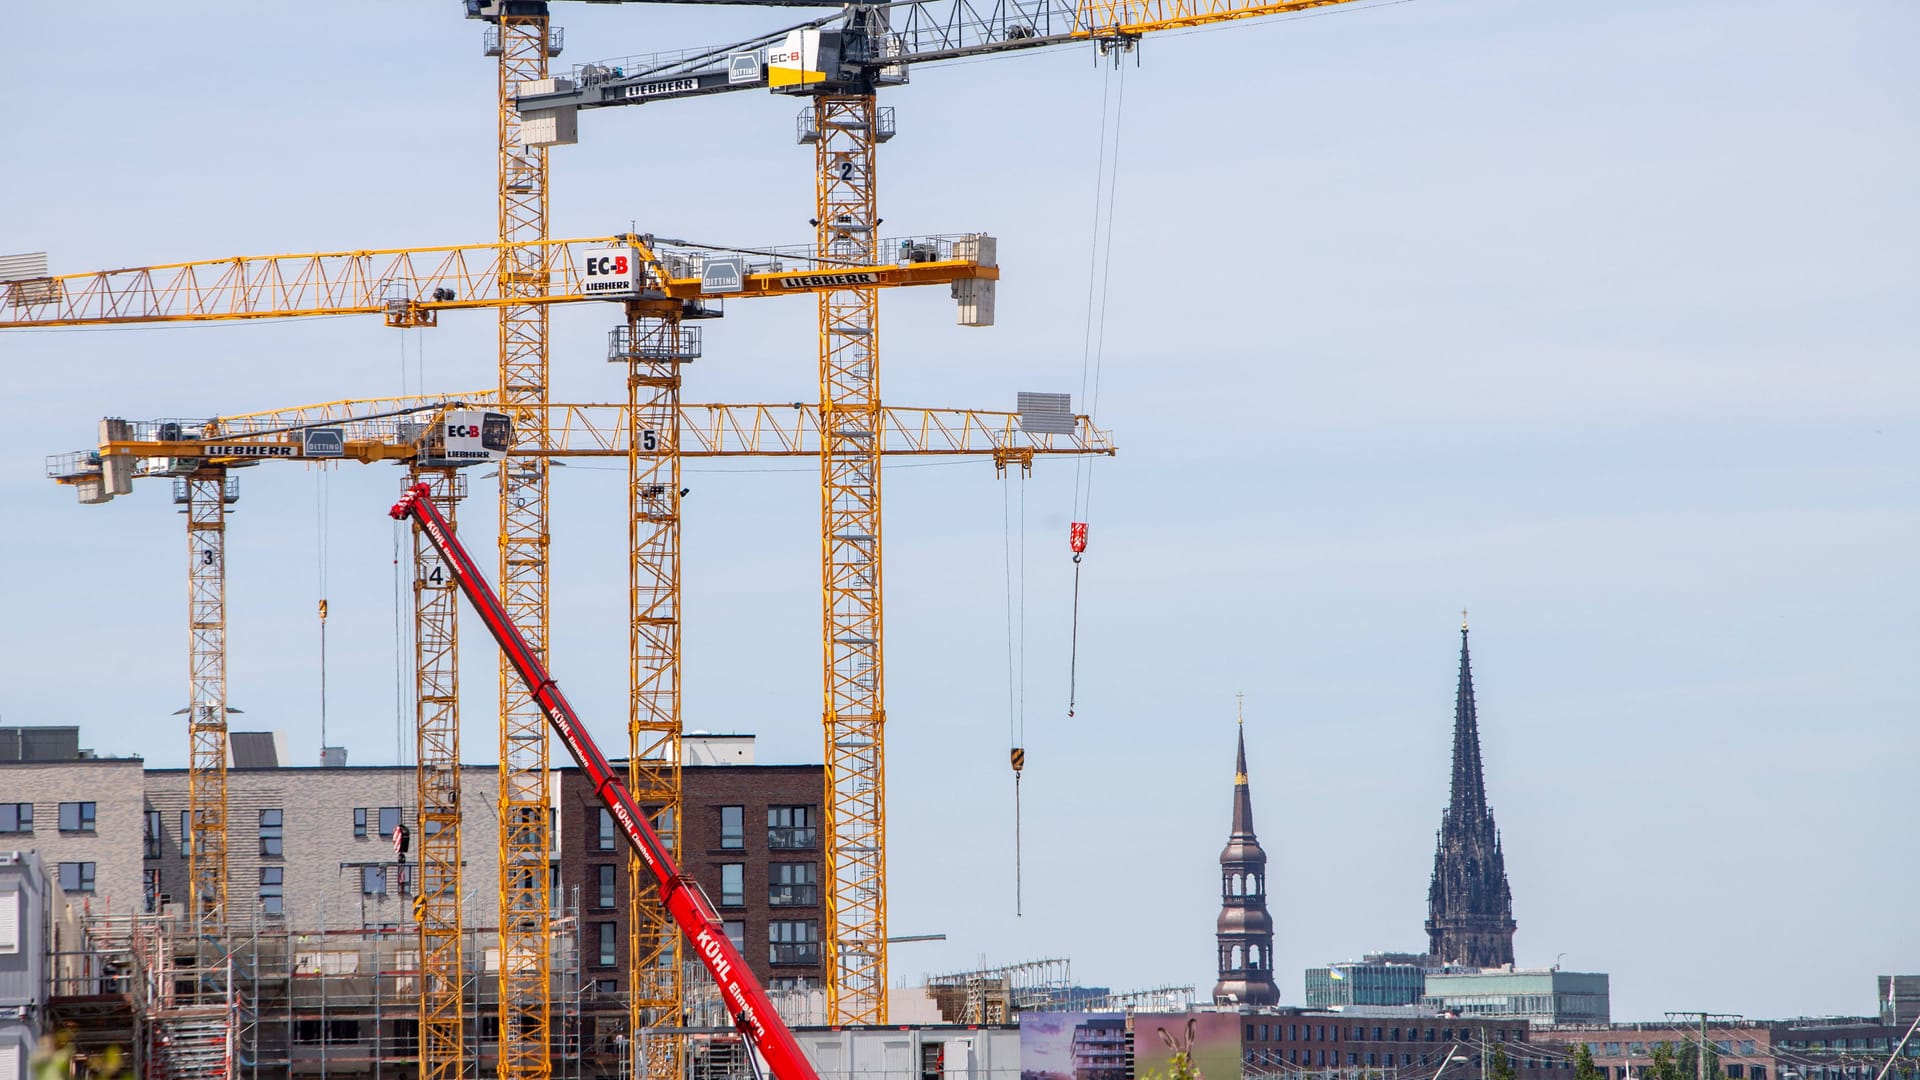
(1018, 755)
(1077, 537)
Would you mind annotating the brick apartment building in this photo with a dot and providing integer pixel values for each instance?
(1409, 1043)
(1816, 1048)
(751, 839)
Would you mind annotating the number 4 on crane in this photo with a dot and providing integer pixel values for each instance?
(747, 1003)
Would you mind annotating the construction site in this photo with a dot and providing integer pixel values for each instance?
(449, 924)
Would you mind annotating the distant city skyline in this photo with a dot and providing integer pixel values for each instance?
(1594, 319)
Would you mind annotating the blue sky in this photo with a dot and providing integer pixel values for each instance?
(1596, 319)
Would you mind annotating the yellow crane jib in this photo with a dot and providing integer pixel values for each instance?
(440, 436)
(442, 433)
(410, 286)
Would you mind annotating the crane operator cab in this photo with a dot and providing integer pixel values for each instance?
(466, 437)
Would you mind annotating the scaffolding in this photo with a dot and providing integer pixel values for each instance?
(996, 995)
(284, 1002)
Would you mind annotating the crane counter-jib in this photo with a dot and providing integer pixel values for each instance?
(747, 1001)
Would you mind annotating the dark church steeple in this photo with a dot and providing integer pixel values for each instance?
(1245, 930)
(1469, 907)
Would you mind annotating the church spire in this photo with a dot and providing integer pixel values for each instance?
(1244, 931)
(1469, 905)
(1242, 797)
(1469, 800)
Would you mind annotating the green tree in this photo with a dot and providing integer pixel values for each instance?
(1665, 1066)
(1501, 1066)
(1679, 1061)
(1583, 1066)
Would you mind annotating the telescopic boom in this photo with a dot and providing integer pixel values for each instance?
(747, 1003)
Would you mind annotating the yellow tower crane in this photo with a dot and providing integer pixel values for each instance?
(434, 437)
(409, 287)
(840, 61)
(522, 38)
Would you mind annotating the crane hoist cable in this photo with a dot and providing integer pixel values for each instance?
(402, 660)
(321, 498)
(1093, 345)
(1016, 674)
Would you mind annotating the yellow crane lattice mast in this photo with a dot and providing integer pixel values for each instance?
(854, 675)
(204, 497)
(526, 1045)
(437, 908)
(652, 346)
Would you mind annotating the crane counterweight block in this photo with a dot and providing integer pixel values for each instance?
(747, 1002)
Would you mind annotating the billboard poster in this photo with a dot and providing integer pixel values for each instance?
(1185, 1046)
(1073, 1046)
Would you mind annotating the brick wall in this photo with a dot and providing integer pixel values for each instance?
(705, 855)
(113, 788)
(321, 859)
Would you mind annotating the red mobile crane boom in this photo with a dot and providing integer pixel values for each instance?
(747, 1002)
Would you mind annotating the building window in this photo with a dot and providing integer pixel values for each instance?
(150, 889)
(733, 884)
(603, 840)
(373, 881)
(793, 885)
(794, 941)
(389, 820)
(76, 817)
(733, 826)
(790, 828)
(16, 817)
(150, 835)
(272, 878)
(736, 932)
(359, 823)
(606, 872)
(76, 877)
(270, 834)
(607, 955)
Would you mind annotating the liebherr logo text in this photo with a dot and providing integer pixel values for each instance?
(815, 281)
(668, 86)
(252, 450)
